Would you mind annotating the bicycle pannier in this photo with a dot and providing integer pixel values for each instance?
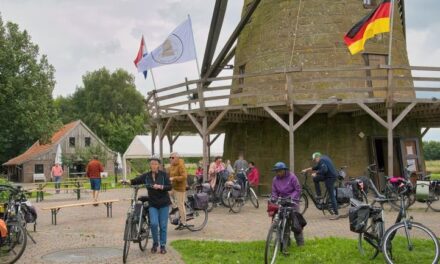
(298, 222)
(358, 217)
(422, 191)
(30, 214)
(236, 190)
(343, 195)
(206, 187)
(201, 201)
(3, 229)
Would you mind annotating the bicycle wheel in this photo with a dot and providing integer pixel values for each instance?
(272, 244)
(412, 244)
(303, 203)
(434, 197)
(369, 241)
(234, 203)
(127, 239)
(224, 197)
(285, 239)
(196, 219)
(253, 197)
(145, 232)
(210, 201)
(13, 246)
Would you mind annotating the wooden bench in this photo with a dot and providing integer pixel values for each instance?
(56, 208)
(39, 177)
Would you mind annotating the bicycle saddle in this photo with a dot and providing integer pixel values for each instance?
(143, 198)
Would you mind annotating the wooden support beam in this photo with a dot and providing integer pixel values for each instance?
(196, 124)
(276, 117)
(291, 139)
(205, 147)
(390, 141)
(214, 139)
(167, 127)
(159, 131)
(333, 112)
(425, 131)
(403, 114)
(176, 137)
(307, 116)
(153, 139)
(373, 114)
(217, 120)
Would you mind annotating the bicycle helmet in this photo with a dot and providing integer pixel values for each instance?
(316, 154)
(279, 166)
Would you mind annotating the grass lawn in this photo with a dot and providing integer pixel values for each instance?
(433, 166)
(318, 250)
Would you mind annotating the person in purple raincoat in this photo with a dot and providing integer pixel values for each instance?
(285, 184)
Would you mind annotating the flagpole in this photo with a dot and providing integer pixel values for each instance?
(151, 69)
(390, 45)
(195, 52)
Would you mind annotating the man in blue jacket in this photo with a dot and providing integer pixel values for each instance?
(325, 171)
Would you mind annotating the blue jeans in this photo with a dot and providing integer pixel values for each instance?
(57, 180)
(159, 219)
(330, 185)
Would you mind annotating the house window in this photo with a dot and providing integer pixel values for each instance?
(72, 142)
(241, 71)
(39, 168)
(87, 141)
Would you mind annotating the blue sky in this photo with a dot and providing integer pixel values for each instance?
(83, 35)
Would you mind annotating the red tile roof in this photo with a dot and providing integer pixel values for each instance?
(37, 149)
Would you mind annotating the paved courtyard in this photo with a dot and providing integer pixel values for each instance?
(88, 228)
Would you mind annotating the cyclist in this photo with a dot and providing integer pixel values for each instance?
(158, 185)
(286, 184)
(325, 171)
(178, 177)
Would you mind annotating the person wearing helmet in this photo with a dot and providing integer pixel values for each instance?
(158, 184)
(285, 184)
(325, 171)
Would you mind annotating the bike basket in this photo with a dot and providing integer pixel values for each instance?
(272, 209)
(343, 195)
(236, 190)
(206, 187)
(201, 201)
(358, 217)
(422, 191)
(3, 229)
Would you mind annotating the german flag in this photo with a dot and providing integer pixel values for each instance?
(377, 22)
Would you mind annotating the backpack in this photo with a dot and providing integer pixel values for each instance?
(358, 217)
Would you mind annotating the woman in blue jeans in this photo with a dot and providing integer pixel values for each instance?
(158, 184)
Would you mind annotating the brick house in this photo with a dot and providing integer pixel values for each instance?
(72, 138)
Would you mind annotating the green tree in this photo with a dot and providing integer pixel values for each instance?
(109, 104)
(26, 84)
(431, 150)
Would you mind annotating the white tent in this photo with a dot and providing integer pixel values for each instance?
(186, 146)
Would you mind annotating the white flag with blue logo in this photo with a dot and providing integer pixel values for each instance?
(177, 48)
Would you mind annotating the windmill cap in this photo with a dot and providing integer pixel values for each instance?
(316, 154)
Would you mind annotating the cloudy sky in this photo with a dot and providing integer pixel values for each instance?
(84, 35)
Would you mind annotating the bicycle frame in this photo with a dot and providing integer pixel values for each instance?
(131, 210)
(319, 205)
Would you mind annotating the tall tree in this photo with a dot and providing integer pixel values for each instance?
(109, 104)
(26, 84)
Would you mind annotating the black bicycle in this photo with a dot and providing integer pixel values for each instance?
(137, 224)
(13, 245)
(196, 212)
(278, 238)
(324, 204)
(239, 192)
(404, 242)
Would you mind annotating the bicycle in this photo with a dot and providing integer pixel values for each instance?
(404, 234)
(324, 204)
(240, 192)
(196, 215)
(278, 237)
(390, 190)
(137, 224)
(14, 244)
(432, 199)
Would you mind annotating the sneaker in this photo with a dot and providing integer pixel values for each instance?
(154, 249)
(335, 217)
(174, 210)
(163, 250)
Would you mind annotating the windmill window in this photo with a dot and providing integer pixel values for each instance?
(87, 141)
(241, 71)
(72, 142)
(369, 4)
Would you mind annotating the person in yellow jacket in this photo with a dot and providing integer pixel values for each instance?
(178, 175)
